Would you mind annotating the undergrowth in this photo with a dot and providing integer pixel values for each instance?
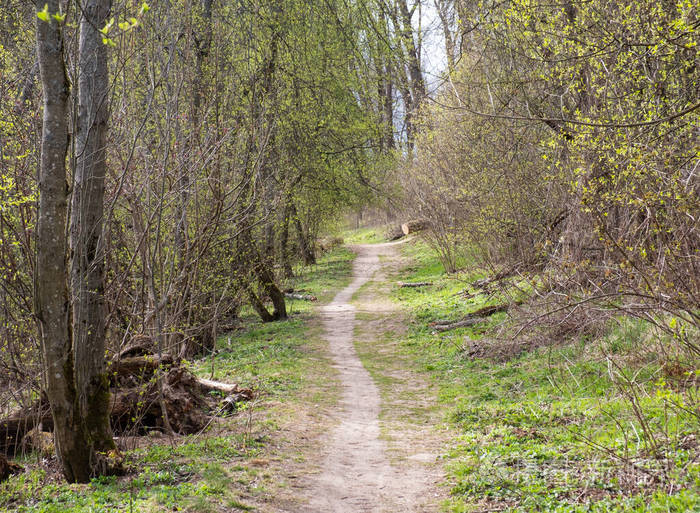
(215, 470)
(548, 429)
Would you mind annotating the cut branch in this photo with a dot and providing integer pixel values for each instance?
(473, 318)
(404, 285)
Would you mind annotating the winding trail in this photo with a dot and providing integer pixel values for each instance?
(356, 474)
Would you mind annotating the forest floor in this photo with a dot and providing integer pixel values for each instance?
(342, 420)
(361, 406)
(366, 434)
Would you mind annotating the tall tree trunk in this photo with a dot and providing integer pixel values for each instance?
(413, 52)
(86, 233)
(446, 14)
(258, 305)
(266, 278)
(307, 252)
(410, 79)
(51, 291)
(284, 243)
(388, 99)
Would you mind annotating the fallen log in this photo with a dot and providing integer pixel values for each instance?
(139, 345)
(185, 400)
(135, 404)
(218, 386)
(484, 283)
(230, 403)
(395, 232)
(39, 441)
(414, 226)
(403, 284)
(301, 297)
(458, 324)
(492, 309)
(15, 427)
(472, 318)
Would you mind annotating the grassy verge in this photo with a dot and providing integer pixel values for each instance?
(237, 464)
(548, 430)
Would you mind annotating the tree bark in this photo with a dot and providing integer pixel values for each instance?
(267, 281)
(413, 51)
(388, 100)
(51, 292)
(284, 243)
(258, 305)
(304, 246)
(92, 399)
(447, 21)
(410, 76)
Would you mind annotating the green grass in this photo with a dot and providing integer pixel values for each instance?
(445, 298)
(185, 477)
(209, 472)
(272, 357)
(364, 235)
(547, 430)
(330, 273)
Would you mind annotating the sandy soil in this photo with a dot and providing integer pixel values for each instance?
(356, 474)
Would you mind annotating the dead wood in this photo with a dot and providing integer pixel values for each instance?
(137, 369)
(230, 403)
(484, 283)
(139, 345)
(458, 324)
(403, 284)
(492, 309)
(393, 233)
(301, 297)
(135, 406)
(20, 422)
(8, 468)
(471, 319)
(188, 401)
(218, 386)
(38, 441)
(414, 226)
(139, 408)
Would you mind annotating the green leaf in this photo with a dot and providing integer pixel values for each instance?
(144, 9)
(59, 17)
(109, 42)
(43, 15)
(105, 30)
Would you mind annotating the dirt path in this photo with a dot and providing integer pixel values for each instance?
(356, 474)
